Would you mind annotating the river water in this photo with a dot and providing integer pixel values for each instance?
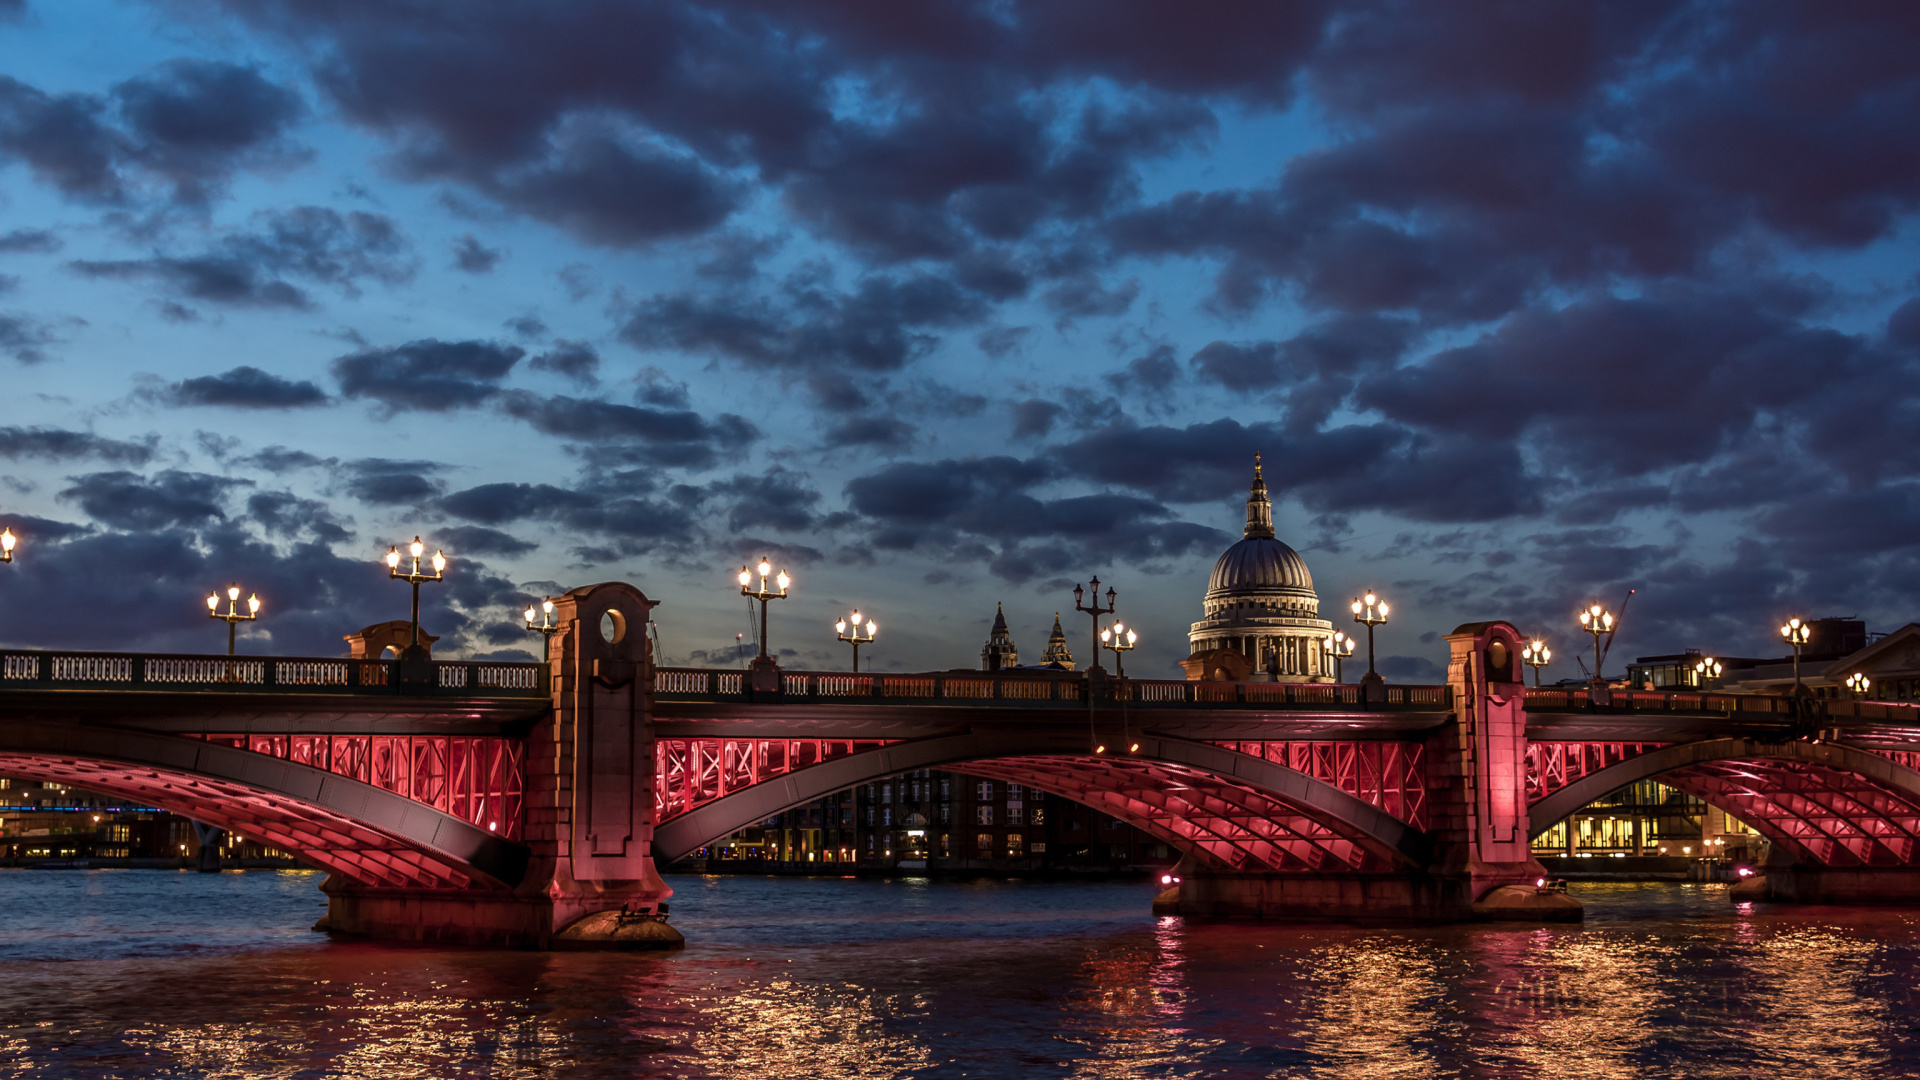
(147, 973)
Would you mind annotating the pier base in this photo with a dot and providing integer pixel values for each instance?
(565, 915)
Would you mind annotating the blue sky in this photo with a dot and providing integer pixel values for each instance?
(943, 306)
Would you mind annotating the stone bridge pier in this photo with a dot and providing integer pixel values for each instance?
(590, 880)
(1473, 858)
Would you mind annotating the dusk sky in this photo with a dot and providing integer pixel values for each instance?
(944, 304)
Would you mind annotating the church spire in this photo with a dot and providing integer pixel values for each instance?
(1057, 651)
(1000, 651)
(1259, 507)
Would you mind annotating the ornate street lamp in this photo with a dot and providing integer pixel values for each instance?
(414, 577)
(1120, 641)
(1706, 671)
(1536, 655)
(1096, 611)
(1598, 621)
(1859, 683)
(7, 540)
(764, 594)
(233, 616)
(854, 638)
(1372, 611)
(545, 627)
(1339, 646)
(1797, 633)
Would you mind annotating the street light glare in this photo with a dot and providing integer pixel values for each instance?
(253, 603)
(213, 601)
(746, 576)
(393, 559)
(765, 568)
(233, 593)
(783, 581)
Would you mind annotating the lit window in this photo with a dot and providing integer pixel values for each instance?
(983, 815)
(1016, 844)
(986, 791)
(984, 842)
(1039, 816)
(1016, 815)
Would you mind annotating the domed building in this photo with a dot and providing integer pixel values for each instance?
(1260, 604)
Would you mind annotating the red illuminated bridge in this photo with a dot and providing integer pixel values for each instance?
(529, 804)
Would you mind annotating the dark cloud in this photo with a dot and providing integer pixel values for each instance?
(527, 327)
(986, 502)
(188, 123)
(386, 482)
(246, 388)
(660, 436)
(777, 499)
(473, 257)
(575, 359)
(30, 241)
(250, 269)
(58, 444)
(1033, 419)
(427, 375)
(280, 459)
(480, 540)
(194, 121)
(126, 500)
(635, 525)
(282, 513)
(25, 338)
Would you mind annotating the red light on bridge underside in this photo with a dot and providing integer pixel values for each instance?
(1539, 883)
(493, 826)
(1745, 872)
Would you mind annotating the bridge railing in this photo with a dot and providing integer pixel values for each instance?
(992, 688)
(1578, 699)
(160, 672)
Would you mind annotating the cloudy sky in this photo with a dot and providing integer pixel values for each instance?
(944, 304)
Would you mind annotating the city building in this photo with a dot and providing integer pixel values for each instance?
(1260, 607)
(1000, 652)
(1836, 649)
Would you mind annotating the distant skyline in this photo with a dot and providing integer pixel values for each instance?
(948, 304)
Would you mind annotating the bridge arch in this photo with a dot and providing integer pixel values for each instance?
(1230, 810)
(1826, 803)
(361, 832)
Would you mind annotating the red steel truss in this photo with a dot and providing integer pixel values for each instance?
(326, 839)
(1553, 765)
(689, 773)
(1390, 775)
(481, 779)
(1226, 825)
(1827, 816)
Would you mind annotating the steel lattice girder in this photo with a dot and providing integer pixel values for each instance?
(689, 773)
(1821, 814)
(1237, 827)
(1387, 774)
(1554, 765)
(329, 840)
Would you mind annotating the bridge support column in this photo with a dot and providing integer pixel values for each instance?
(589, 808)
(1477, 798)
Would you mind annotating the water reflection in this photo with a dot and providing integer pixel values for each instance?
(160, 974)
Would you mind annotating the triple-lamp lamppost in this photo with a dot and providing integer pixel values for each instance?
(1371, 611)
(233, 616)
(7, 540)
(764, 594)
(1119, 640)
(1339, 646)
(544, 626)
(856, 638)
(1536, 655)
(415, 576)
(1797, 633)
(1595, 619)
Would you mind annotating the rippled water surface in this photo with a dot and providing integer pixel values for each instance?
(144, 973)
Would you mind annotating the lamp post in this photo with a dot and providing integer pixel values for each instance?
(1372, 611)
(1339, 646)
(414, 577)
(7, 540)
(763, 594)
(1858, 683)
(1119, 640)
(1706, 671)
(545, 627)
(232, 616)
(1797, 633)
(1096, 611)
(1536, 655)
(854, 638)
(1598, 621)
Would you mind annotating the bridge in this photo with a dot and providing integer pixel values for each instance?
(531, 804)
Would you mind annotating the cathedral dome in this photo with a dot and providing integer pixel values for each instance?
(1259, 564)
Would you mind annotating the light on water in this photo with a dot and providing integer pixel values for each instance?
(112, 974)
